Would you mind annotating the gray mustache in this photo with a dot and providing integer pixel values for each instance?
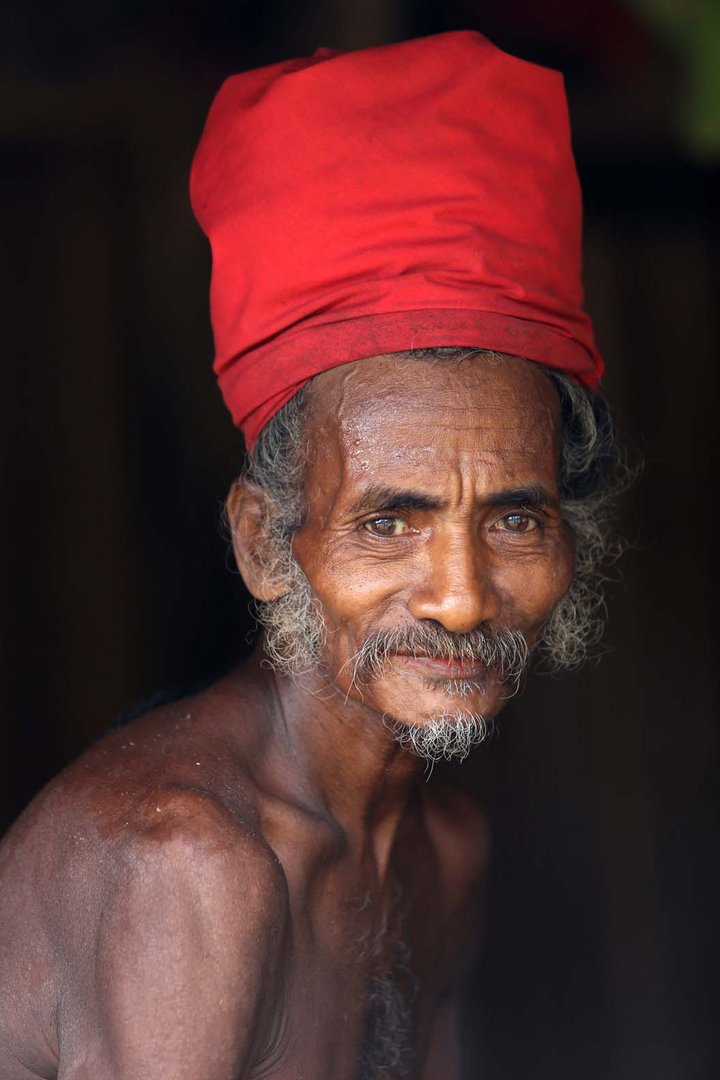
(504, 651)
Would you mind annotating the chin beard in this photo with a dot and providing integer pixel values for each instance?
(294, 640)
(444, 737)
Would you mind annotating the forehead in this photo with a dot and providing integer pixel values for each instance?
(395, 419)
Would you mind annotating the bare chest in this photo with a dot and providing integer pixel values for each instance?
(362, 987)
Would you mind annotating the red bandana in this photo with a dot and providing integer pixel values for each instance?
(414, 195)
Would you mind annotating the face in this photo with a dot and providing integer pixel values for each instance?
(432, 514)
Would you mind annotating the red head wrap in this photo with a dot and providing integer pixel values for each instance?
(408, 196)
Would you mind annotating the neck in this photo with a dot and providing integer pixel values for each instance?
(338, 758)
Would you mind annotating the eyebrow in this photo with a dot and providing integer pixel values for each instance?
(532, 497)
(381, 499)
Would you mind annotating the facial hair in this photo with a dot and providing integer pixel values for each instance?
(503, 651)
(447, 735)
(295, 635)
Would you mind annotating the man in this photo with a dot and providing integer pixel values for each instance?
(257, 881)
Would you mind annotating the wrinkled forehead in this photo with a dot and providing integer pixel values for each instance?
(396, 412)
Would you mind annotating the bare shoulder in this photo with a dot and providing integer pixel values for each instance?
(182, 873)
(172, 837)
(184, 949)
(166, 799)
(164, 787)
(141, 876)
(179, 874)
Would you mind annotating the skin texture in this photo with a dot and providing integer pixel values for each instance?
(209, 891)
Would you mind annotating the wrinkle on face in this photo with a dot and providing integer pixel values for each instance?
(456, 435)
(402, 417)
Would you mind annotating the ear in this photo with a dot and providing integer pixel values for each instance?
(248, 512)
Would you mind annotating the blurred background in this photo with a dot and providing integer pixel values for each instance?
(601, 928)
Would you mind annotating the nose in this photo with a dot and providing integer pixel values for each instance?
(457, 588)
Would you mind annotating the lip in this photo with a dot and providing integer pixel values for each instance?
(442, 668)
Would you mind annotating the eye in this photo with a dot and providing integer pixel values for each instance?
(386, 526)
(517, 523)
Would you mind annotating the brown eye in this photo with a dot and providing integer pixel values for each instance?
(386, 526)
(518, 523)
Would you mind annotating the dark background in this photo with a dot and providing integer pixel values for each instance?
(601, 934)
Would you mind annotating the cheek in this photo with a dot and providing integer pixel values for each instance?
(532, 591)
(353, 592)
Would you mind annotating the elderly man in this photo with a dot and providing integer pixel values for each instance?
(257, 881)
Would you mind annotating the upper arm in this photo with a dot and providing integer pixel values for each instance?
(176, 975)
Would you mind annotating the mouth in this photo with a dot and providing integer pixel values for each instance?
(442, 667)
